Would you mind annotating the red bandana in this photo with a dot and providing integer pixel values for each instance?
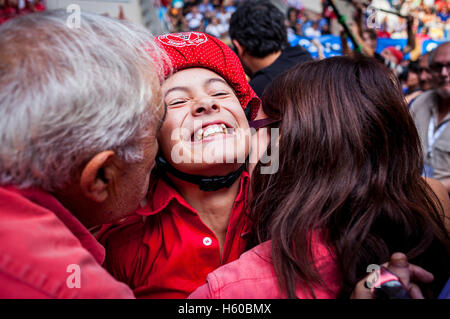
(196, 49)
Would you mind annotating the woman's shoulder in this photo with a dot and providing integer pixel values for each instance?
(253, 276)
(250, 276)
(443, 197)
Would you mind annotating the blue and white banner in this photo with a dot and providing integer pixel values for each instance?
(429, 45)
(332, 44)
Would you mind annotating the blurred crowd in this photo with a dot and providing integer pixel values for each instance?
(212, 16)
(415, 20)
(12, 8)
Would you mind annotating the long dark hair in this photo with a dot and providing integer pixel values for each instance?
(350, 165)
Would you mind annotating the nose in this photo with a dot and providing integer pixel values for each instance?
(424, 75)
(445, 70)
(205, 105)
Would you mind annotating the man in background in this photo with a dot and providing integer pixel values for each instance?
(431, 112)
(258, 33)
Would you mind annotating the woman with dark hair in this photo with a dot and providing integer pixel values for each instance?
(348, 192)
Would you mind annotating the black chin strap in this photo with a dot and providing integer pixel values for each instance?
(206, 183)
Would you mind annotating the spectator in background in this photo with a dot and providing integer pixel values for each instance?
(258, 33)
(412, 82)
(443, 14)
(223, 15)
(205, 7)
(12, 8)
(313, 31)
(217, 4)
(392, 57)
(292, 19)
(194, 19)
(425, 77)
(175, 16)
(368, 39)
(431, 113)
(325, 30)
(77, 130)
(215, 28)
(207, 10)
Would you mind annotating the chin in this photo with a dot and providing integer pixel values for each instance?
(444, 93)
(209, 169)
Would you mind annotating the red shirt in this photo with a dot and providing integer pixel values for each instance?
(169, 252)
(39, 240)
(254, 269)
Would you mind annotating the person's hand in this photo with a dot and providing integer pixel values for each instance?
(408, 274)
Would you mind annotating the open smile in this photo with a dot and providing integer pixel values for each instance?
(211, 130)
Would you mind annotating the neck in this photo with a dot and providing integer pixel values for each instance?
(213, 208)
(255, 64)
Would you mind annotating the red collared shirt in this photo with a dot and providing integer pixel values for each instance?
(41, 246)
(169, 252)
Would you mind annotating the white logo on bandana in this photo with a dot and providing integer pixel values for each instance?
(180, 40)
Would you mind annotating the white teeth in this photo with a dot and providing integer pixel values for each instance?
(199, 134)
(210, 130)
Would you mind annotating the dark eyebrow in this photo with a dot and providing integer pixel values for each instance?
(206, 83)
(176, 88)
(212, 80)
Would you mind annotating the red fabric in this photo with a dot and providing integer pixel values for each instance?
(9, 12)
(396, 53)
(383, 34)
(39, 7)
(170, 253)
(253, 276)
(39, 239)
(196, 49)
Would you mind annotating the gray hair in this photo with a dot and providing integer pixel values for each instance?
(67, 94)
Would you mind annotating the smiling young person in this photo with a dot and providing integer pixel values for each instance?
(195, 219)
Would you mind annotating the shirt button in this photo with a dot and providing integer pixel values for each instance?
(207, 241)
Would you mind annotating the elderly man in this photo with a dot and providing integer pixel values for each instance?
(79, 110)
(431, 112)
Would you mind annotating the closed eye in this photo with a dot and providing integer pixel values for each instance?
(176, 102)
(220, 94)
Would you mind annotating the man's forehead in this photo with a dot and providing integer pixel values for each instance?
(442, 53)
(423, 60)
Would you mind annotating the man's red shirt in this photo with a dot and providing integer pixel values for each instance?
(44, 249)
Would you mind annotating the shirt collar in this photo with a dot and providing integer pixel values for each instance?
(49, 202)
(164, 194)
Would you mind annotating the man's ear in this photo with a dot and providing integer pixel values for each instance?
(239, 48)
(96, 176)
